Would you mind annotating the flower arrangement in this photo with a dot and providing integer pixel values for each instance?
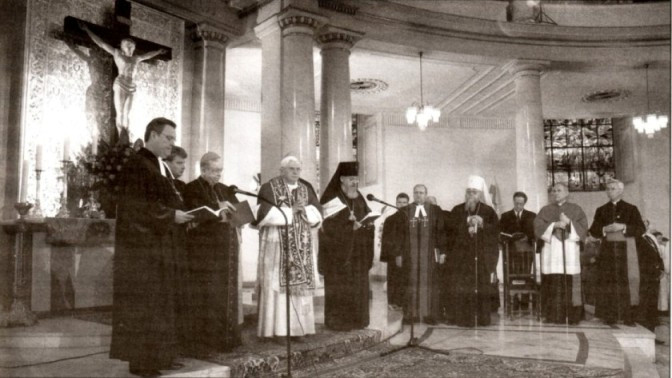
(99, 173)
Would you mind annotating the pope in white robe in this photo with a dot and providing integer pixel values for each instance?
(300, 206)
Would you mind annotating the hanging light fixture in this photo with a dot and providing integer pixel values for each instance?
(422, 114)
(652, 122)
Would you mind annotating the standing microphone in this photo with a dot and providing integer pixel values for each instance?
(371, 197)
(235, 189)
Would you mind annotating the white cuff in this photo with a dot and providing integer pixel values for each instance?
(274, 217)
(313, 216)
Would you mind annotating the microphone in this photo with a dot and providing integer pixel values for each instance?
(371, 197)
(235, 189)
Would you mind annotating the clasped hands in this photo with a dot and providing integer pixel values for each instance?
(474, 222)
(563, 222)
(614, 227)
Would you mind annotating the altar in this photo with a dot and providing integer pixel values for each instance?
(67, 262)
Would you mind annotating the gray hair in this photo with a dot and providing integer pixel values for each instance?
(284, 163)
(618, 183)
(208, 158)
(421, 185)
(564, 185)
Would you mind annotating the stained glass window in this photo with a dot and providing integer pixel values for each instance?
(579, 153)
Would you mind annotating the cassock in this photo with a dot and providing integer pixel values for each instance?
(213, 268)
(650, 267)
(345, 256)
(423, 240)
(618, 276)
(148, 259)
(445, 272)
(560, 272)
(181, 186)
(275, 242)
(473, 260)
(391, 248)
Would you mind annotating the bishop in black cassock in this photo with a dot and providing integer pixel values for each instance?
(346, 251)
(148, 258)
(618, 225)
(213, 261)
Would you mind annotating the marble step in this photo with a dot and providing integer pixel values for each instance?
(57, 333)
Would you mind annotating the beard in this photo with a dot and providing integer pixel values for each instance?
(472, 203)
(350, 191)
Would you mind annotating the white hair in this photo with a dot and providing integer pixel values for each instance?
(618, 183)
(284, 163)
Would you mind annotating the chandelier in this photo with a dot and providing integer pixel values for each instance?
(652, 122)
(422, 114)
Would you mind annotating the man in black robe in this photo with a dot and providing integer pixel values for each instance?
(472, 253)
(213, 261)
(618, 224)
(177, 162)
(651, 268)
(346, 251)
(148, 245)
(519, 224)
(391, 253)
(424, 246)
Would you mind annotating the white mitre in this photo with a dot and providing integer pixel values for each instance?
(478, 183)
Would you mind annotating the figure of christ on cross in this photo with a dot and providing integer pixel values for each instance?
(123, 87)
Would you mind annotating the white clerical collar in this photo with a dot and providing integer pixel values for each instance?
(420, 210)
(615, 202)
(162, 167)
(292, 186)
(562, 203)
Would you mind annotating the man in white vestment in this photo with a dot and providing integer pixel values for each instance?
(561, 225)
(302, 209)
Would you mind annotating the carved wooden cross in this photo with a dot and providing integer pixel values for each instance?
(114, 35)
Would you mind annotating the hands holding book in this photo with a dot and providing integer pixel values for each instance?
(182, 217)
(225, 209)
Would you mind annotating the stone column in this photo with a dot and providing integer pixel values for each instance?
(335, 105)
(207, 112)
(530, 154)
(298, 89)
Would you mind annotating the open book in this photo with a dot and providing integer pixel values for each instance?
(242, 215)
(204, 213)
(369, 219)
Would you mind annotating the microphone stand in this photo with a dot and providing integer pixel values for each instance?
(287, 296)
(412, 341)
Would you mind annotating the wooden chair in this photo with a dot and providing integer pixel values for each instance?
(520, 277)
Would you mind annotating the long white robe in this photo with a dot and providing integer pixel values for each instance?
(272, 301)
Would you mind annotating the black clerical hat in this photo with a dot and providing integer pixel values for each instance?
(345, 168)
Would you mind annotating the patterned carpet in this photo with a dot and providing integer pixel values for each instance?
(418, 363)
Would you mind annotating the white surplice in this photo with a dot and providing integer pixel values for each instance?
(551, 254)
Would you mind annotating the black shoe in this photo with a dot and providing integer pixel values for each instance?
(609, 322)
(429, 320)
(660, 342)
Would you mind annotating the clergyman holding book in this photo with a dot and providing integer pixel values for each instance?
(213, 261)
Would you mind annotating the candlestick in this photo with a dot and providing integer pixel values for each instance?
(63, 211)
(66, 149)
(24, 181)
(38, 158)
(37, 210)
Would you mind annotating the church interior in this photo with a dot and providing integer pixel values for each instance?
(526, 94)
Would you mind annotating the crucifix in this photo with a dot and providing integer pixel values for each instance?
(125, 60)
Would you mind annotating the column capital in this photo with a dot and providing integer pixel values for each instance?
(207, 33)
(519, 67)
(294, 21)
(334, 37)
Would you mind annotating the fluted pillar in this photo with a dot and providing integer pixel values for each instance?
(530, 154)
(207, 122)
(335, 104)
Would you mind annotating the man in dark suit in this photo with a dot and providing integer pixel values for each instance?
(177, 162)
(519, 223)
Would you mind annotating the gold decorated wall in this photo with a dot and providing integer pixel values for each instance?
(68, 91)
